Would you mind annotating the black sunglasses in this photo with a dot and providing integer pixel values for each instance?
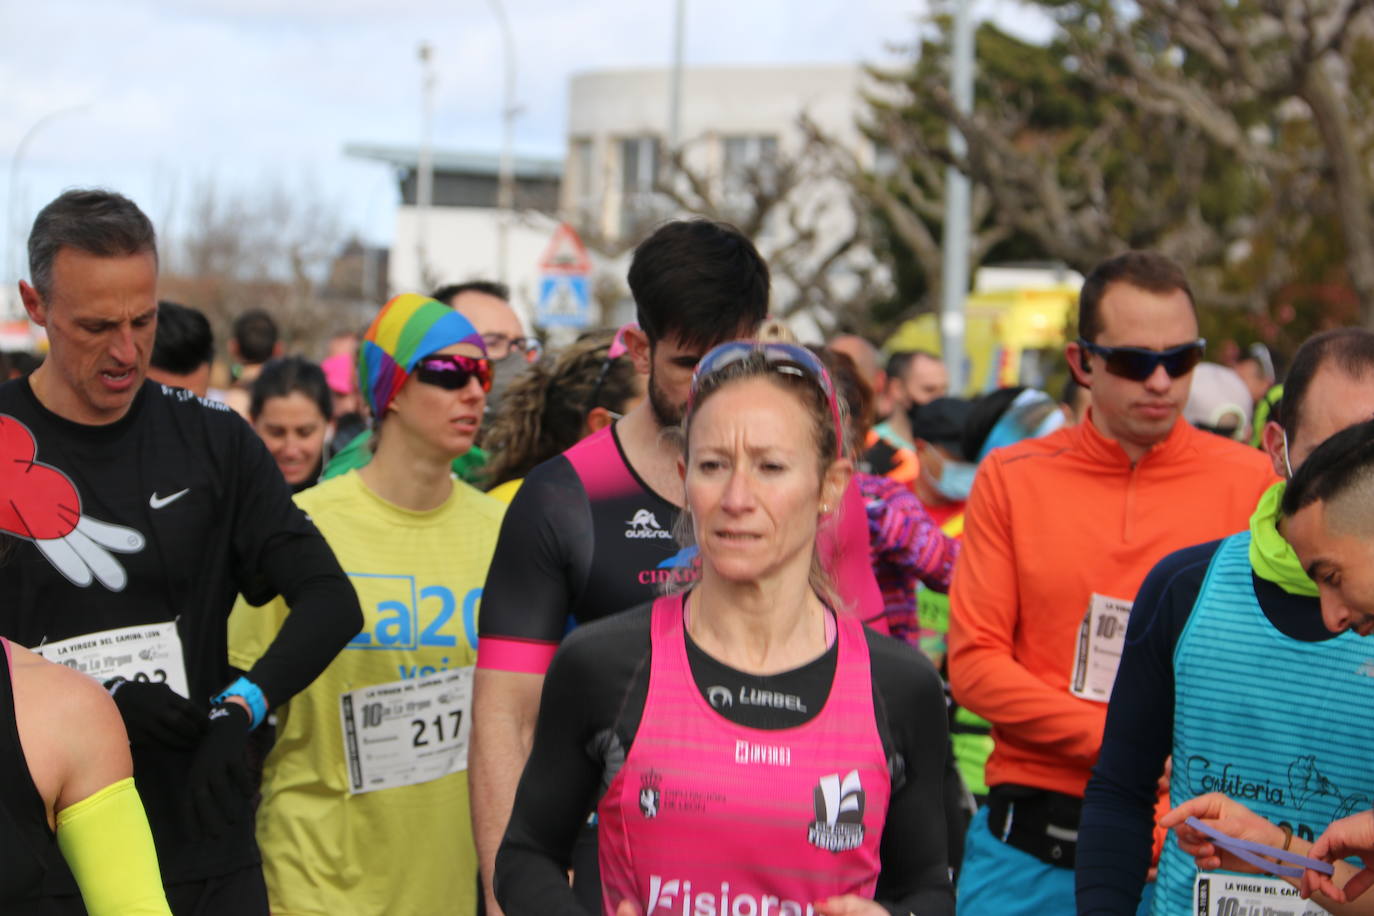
(452, 372)
(1138, 364)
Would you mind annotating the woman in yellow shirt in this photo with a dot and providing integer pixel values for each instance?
(372, 757)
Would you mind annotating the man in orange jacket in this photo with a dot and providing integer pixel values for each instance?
(1059, 533)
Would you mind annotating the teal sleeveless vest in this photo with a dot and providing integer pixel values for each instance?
(1270, 721)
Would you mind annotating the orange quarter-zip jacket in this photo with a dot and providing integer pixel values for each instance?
(1050, 522)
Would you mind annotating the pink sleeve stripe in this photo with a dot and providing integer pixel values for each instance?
(527, 656)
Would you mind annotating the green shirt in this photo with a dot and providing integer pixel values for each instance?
(355, 454)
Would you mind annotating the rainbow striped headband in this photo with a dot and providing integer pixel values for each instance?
(406, 330)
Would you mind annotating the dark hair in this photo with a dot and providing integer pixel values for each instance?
(700, 281)
(184, 340)
(98, 222)
(1147, 270)
(855, 393)
(1338, 463)
(543, 411)
(285, 376)
(19, 363)
(1070, 391)
(983, 416)
(256, 335)
(448, 292)
(1351, 350)
(900, 362)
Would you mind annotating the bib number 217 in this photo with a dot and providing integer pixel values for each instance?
(425, 729)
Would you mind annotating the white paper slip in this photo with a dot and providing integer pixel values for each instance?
(1222, 894)
(1098, 653)
(408, 731)
(149, 652)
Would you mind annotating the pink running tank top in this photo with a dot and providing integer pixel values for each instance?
(711, 818)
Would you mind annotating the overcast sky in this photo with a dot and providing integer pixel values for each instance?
(150, 98)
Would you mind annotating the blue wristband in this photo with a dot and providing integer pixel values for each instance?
(251, 694)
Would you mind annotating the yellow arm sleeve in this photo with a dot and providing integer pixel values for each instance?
(107, 843)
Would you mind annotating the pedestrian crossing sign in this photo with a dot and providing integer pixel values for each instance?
(564, 301)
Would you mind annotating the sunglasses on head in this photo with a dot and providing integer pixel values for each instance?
(782, 358)
(452, 373)
(1138, 363)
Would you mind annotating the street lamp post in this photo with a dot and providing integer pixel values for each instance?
(505, 194)
(12, 268)
(675, 78)
(424, 177)
(954, 282)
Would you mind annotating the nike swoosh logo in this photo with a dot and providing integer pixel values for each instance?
(157, 502)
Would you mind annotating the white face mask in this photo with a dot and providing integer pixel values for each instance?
(1286, 466)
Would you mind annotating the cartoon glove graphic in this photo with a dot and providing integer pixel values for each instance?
(39, 503)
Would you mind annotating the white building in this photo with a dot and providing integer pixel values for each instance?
(740, 128)
(460, 236)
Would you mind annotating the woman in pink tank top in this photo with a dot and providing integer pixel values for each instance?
(741, 737)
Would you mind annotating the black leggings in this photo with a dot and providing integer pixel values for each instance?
(239, 892)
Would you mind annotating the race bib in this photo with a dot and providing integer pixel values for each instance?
(1098, 654)
(148, 653)
(1218, 894)
(408, 731)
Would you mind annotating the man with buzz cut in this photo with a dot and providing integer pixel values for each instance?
(183, 349)
(913, 379)
(1227, 657)
(1059, 531)
(142, 511)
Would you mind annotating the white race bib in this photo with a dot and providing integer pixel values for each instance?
(1219, 894)
(408, 731)
(149, 652)
(1098, 654)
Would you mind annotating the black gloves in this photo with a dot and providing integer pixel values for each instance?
(155, 714)
(219, 780)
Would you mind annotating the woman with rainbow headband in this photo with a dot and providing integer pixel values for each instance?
(372, 757)
(749, 751)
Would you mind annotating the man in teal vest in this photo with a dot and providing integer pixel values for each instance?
(1328, 518)
(1226, 658)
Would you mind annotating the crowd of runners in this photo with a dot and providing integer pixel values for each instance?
(689, 618)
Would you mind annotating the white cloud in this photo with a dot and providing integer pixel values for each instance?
(241, 89)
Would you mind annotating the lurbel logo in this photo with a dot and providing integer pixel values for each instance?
(720, 697)
(645, 525)
(839, 824)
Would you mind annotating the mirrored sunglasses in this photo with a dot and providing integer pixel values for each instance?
(452, 372)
